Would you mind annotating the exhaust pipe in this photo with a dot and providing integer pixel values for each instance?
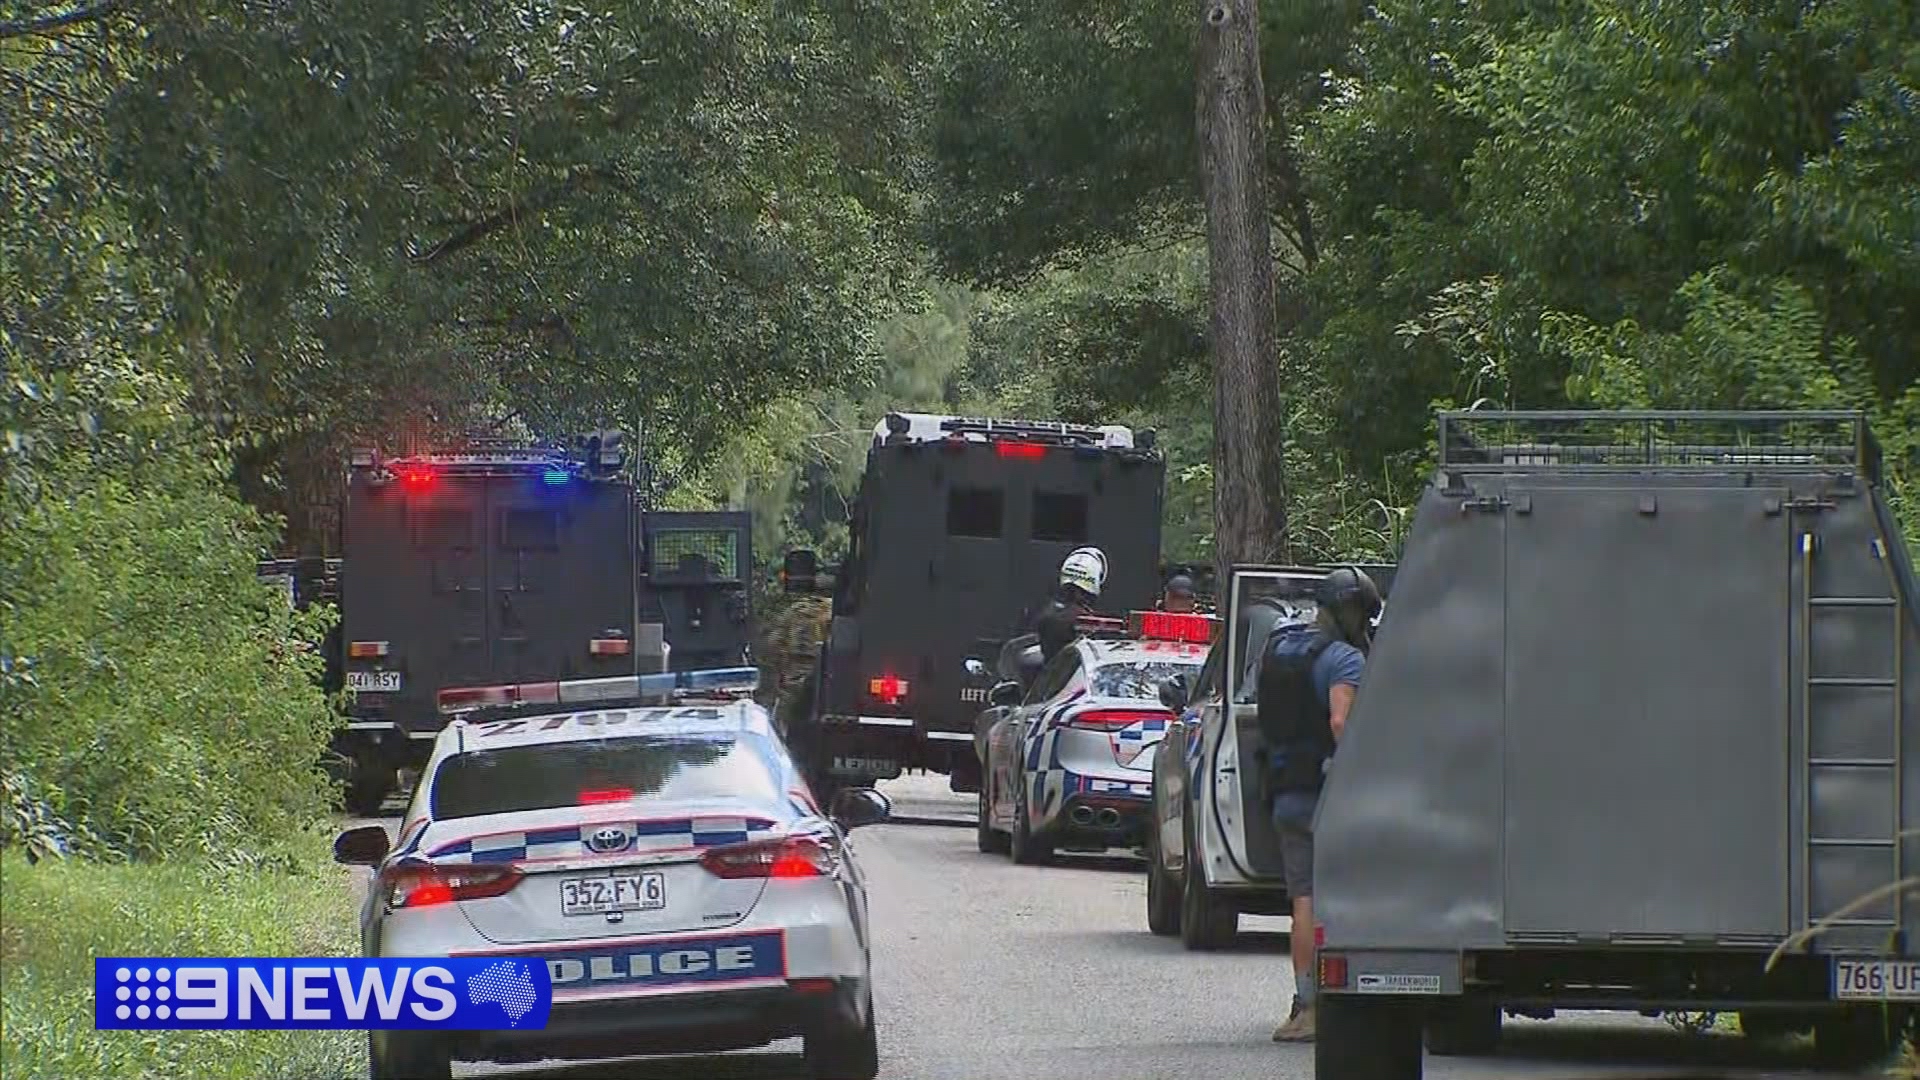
(1109, 817)
(1081, 815)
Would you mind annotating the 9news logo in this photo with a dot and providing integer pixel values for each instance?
(453, 994)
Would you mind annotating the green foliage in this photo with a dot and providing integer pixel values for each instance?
(165, 701)
(62, 915)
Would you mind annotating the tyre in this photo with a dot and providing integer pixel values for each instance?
(1857, 1036)
(844, 1055)
(367, 788)
(1464, 1027)
(989, 839)
(1359, 1038)
(1206, 921)
(408, 1056)
(1027, 850)
(1163, 896)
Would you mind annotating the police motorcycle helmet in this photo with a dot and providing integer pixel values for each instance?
(1349, 606)
(1085, 569)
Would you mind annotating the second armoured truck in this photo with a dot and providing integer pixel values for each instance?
(957, 535)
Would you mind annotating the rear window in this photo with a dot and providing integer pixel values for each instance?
(546, 775)
(977, 512)
(1139, 678)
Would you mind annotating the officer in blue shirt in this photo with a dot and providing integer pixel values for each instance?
(1306, 683)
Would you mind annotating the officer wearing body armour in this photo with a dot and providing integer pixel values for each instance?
(1082, 574)
(1307, 678)
(792, 648)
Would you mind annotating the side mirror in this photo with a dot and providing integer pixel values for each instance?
(1006, 693)
(975, 667)
(798, 570)
(364, 846)
(1174, 692)
(855, 807)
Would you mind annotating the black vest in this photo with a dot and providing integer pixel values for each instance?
(1294, 719)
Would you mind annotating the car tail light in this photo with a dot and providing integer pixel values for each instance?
(1024, 450)
(890, 689)
(366, 650)
(420, 884)
(782, 857)
(1113, 719)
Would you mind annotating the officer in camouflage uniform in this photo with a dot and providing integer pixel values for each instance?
(792, 646)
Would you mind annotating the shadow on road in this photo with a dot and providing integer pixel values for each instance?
(1678, 1056)
(1141, 943)
(745, 1066)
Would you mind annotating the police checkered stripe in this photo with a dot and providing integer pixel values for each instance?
(566, 842)
(1139, 732)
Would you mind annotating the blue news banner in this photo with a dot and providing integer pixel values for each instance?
(452, 994)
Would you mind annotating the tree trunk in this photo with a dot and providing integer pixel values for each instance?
(1249, 464)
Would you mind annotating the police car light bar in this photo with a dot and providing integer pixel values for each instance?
(1193, 628)
(661, 687)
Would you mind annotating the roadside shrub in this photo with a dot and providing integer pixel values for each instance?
(153, 694)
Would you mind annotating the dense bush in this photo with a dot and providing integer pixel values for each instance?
(157, 699)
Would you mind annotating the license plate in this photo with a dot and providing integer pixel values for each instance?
(886, 768)
(613, 892)
(376, 682)
(1876, 980)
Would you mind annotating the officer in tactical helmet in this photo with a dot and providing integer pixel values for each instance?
(1082, 574)
(1307, 678)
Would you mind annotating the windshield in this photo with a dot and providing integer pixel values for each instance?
(540, 776)
(1139, 678)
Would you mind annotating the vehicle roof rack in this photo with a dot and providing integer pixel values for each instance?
(1722, 441)
(905, 428)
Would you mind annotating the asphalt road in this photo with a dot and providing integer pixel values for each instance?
(989, 971)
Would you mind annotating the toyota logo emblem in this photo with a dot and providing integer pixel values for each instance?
(611, 838)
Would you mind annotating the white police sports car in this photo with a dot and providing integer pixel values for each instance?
(1070, 766)
(656, 849)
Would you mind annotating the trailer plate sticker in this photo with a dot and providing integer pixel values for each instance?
(1397, 984)
(1876, 980)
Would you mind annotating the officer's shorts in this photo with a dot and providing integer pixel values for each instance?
(1296, 858)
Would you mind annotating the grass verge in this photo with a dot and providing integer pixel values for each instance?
(56, 917)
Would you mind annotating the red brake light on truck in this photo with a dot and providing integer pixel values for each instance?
(417, 478)
(609, 646)
(1026, 451)
(890, 689)
(366, 650)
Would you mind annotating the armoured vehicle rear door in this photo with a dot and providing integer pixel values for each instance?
(1259, 600)
(559, 577)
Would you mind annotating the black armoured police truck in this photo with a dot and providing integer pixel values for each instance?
(511, 563)
(958, 532)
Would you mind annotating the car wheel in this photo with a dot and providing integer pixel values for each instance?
(1206, 921)
(845, 1055)
(1366, 1039)
(989, 839)
(1026, 849)
(1163, 898)
(408, 1056)
(1464, 1027)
